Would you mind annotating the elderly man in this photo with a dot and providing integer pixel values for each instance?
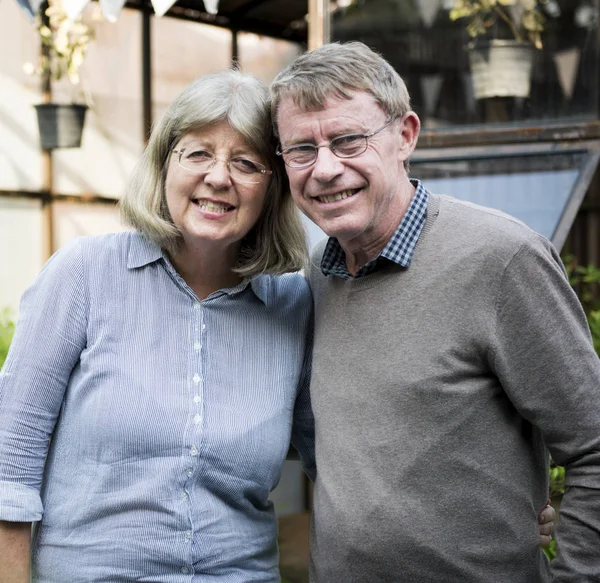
(450, 351)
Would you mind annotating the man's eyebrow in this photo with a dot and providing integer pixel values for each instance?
(332, 136)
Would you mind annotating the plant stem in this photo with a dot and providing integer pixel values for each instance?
(508, 21)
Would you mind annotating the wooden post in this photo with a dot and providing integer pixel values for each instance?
(47, 167)
(146, 71)
(318, 23)
(235, 56)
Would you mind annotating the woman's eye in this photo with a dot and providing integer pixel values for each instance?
(246, 165)
(198, 155)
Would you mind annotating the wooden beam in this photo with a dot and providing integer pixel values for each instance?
(484, 135)
(248, 6)
(318, 23)
(147, 113)
(235, 51)
(46, 158)
(43, 197)
(242, 24)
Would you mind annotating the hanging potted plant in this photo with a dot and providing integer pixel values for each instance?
(505, 34)
(64, 43)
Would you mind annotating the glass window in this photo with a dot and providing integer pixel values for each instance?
(430, 51)
(541, 187)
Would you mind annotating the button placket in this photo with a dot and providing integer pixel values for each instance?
(198, 378)
(196, 369)
(194, 429)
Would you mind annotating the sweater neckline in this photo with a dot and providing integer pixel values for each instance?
(391, 269)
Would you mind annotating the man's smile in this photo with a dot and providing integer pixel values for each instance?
(329, 198)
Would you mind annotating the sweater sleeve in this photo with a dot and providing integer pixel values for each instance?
(50, 336)
(544, 357)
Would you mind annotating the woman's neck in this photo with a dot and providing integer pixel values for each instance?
(206, 270)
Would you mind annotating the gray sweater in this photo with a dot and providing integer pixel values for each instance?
(435, 391)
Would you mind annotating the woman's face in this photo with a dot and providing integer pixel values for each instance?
(213, 209)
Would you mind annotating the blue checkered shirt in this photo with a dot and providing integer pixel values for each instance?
(399, 249)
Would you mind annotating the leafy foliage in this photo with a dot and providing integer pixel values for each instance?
(64, 43)
(7, 329)
(585, 280)
(522, 18)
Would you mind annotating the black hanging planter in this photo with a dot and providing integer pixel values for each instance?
(60, 124)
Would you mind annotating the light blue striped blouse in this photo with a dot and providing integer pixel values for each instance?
(170, 417)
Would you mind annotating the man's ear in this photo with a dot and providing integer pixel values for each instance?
(409, 132)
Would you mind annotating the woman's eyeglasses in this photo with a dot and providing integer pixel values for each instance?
(203, 161)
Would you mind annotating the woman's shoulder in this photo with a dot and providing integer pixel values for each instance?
(96, 248)
(95, 254)
(109, 242)
(288, 290)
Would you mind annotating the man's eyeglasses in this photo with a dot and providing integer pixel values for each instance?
(203, 161)
(346, 146)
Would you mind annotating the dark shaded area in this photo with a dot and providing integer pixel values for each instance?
(432, 57)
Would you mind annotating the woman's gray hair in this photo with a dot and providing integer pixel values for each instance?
(336, 70)
(277, 243)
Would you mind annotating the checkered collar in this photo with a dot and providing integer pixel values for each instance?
(399, 249)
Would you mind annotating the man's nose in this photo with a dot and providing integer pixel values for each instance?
(327, 166)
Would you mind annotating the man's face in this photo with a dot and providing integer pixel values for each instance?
(359, 200)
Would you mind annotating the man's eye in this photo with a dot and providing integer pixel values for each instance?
(303, 149)
(301, 152)
(246, 166)
(198, 156)
(348, 142)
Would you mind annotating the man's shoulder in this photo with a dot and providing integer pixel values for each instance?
(316, 255)
(482, 227)
(477, 214)
(317, 252)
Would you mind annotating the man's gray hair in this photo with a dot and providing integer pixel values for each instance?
(337, 69)
(276, 244)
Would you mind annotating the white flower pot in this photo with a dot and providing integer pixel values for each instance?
(501, 68)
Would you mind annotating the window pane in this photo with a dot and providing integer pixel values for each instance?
(430, 52)
(533, 187)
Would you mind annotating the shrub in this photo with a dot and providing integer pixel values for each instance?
(7, 329)
(585, 280)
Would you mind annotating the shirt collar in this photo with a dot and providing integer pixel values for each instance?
(142, 252)
(399, 249)
(259, 285)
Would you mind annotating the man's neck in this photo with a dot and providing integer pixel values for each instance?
(358, 253)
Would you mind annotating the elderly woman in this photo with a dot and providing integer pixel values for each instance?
(157, 376)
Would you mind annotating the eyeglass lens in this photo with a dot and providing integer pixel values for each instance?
(342, 146)
(240, 169)
(346, 146)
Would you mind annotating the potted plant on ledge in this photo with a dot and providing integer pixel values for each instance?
(63, 46)
(505, 34)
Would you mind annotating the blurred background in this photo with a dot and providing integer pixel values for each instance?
(509, 104)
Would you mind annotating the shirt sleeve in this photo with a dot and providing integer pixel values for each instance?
(49, 338)
(303, 429)
(545, 360)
